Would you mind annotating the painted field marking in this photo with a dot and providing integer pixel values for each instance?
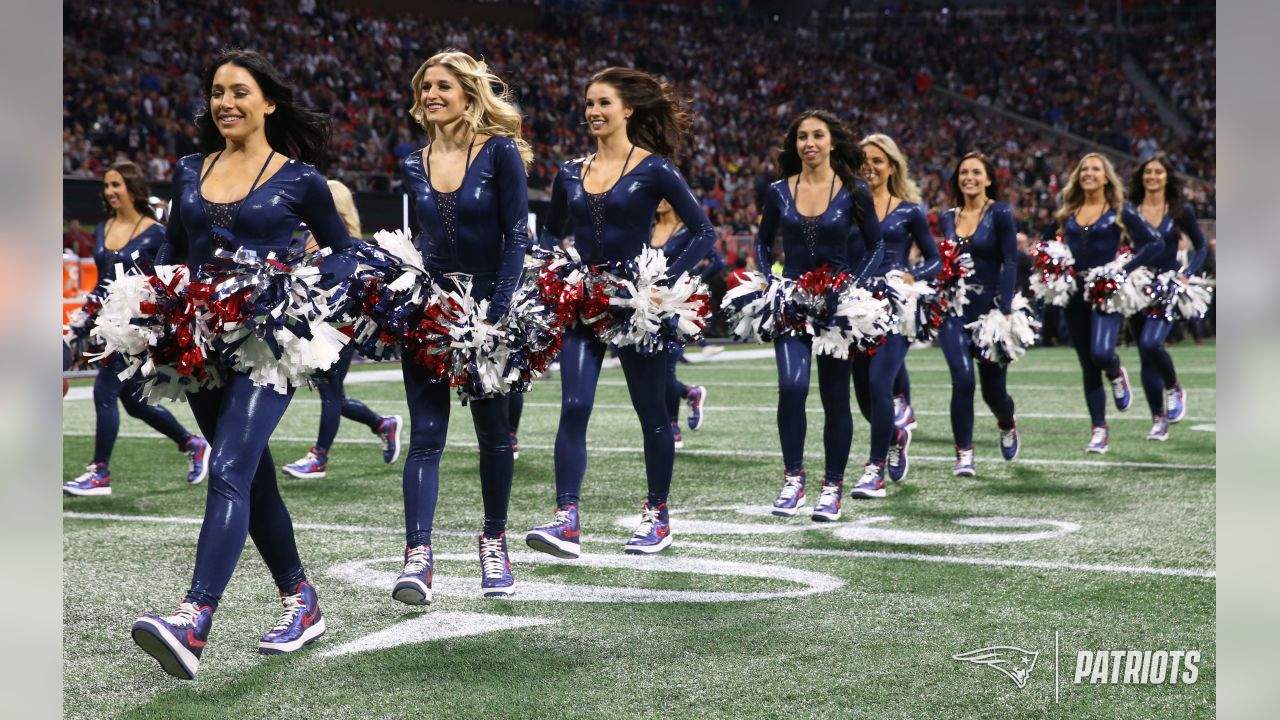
(1205, 428)
(435, 626)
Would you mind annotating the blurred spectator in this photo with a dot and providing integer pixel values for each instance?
(77, 239)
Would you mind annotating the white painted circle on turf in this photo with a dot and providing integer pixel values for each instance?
(1205, 428)
(863, 530)
(362, 572)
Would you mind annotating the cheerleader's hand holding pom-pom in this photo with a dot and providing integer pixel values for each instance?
(1053, 272)
(1002, 339)
(1112, 289)
(752, 309)
(650, 310)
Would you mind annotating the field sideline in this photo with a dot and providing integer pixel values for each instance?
(746, 616)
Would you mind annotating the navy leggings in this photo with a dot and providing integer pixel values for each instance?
(107, 389)
(956, 348)
(902, 384)
(1158, 373)
(429, 404)
(335, 405)
(676, 390)
(646, 378)
(1094, 334)
(873, 378)
(793, 354)
(243, 499)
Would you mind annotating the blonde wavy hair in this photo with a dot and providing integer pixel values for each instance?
(488, 112)
(346, 206)
(900, 183)
(1072, 196)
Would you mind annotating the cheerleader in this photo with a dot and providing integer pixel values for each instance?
(334, 403)
(249, 192)
(902, 222)
(611, 196)
(671, 235)
(1162, 206)
(1094, 220)
(815, 206)
(982, 227)
(470, 201)
(129, 237)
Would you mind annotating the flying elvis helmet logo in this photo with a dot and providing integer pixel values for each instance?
(1013, 662)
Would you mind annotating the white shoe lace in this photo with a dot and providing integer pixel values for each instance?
(186, 615)
(491, 560)
(895, 454)
(1006, 438)
(1157, 427)
(90, 471)
(1099, 436)
(648, 518)
(310, 459)
(964, 458)
(292, 606)
(870, 474)
(1171, 400)
(1117, 386)
(791, 487)
(416, 561)
(830, 493)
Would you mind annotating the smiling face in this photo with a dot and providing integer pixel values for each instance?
(1154, 179)
(1093, 177)
(442, 98)
(115, 193)
(973, 179)
(236, 103)
(876, 166)
(813, 142)
(605, 113)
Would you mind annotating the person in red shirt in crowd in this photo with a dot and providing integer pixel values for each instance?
(78, 240)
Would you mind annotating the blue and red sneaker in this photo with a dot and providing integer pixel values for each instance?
(389, 431)
(904, 416)
(300, 624)
(1159, 428)
(676, 440)
(310, 467)
(696, 397)
(827, 509)
(176, 641)
(792, 498)
(871, 485)
(561, 537)
(1120, 391)
(1098, 440)
(1009, 442)
(898, 463)
(197, 450)
(413, 587)
(496, 580)
(95, 481)
(654, 533)
(1175, 403)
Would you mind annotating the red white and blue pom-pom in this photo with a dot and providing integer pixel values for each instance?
(1053, 272)
(753, 308)
(391, 287)
(1112, 289)
(1172, 296)
(533, 332)
(158, 325)
(1003, 339)
(918, 312)
(951, 283)
(841, 316)
(270, 317)
(79, 328)
(652, 311)
(577, 293)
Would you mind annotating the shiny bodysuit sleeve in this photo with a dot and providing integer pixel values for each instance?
(1146, 242)
(702, 236)
(556, 223)
(868, 230)
(174, 249)
(715, 263)
(1186, 222)
(768, 231)
(513, 216)
(931, 263)
(1007, 240)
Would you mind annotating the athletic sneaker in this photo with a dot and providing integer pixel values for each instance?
(300, 624)
(1120, 390)
(96, 480)
(696, 397)
(675, 436)
(515, 448)
(1009, 442)
(413, 587)
(1159, 428)
(871, 484)
(1098, 441)
(904, 416)
(654, 533)
(898, 463)
(496, 580)
(827, 509)
(176, 641)
(965, 465)
(1175, 403)
(792, 498)
(389, 431)
(197, 450)
(310, 467)
(560, 537)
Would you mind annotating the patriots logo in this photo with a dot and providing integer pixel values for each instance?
(1014, 662)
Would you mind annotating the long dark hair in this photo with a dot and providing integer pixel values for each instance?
(1172, 188)
(993, 190)
(292, 129)
(135, 182)
(846, 154)
(660, 123)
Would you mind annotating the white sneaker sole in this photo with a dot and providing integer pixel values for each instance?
(155, 640)
(303, 476)
(411, 591)
(505, 592)
(1097, 451)
(965, 473)
(1158, 438)
(678, 444)
(204, 465)
(85, 493)
(825, 516)
(543, 542)
(657, 547)
(309, 635)
(790, 512)
(399, 427)
(867, 494)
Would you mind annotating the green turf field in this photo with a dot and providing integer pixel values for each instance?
(746, 616)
